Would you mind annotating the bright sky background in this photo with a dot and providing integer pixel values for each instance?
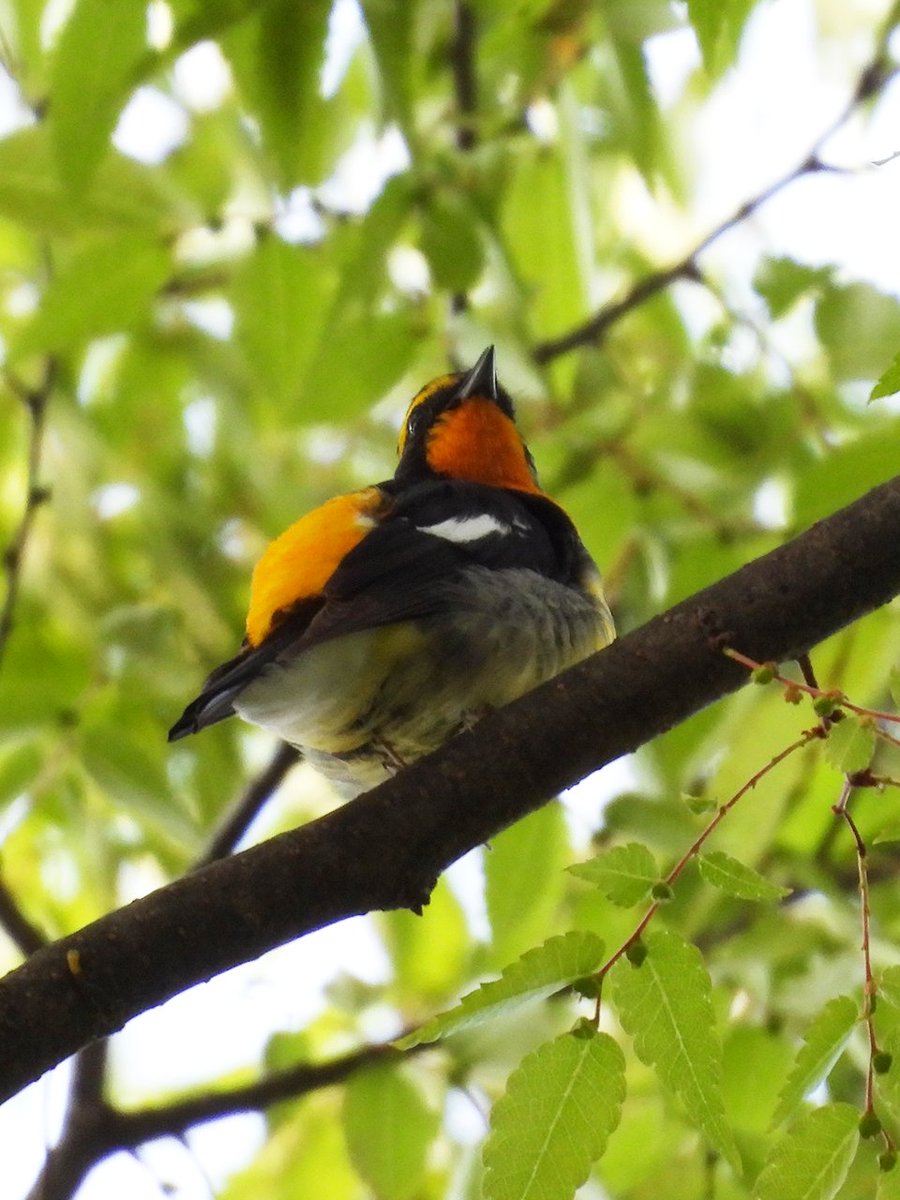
(762, 121)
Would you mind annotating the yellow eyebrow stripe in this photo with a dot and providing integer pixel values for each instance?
(420, 397)
(298, 564)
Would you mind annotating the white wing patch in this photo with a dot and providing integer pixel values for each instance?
(467, 529)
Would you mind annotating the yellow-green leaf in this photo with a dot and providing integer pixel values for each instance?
(537, 974)
(624, 874)
(812, 1160)
(666, 1006)
(824, 1041)
(560, 1106)
(737, 879)
(851, 743)
(389, 1128)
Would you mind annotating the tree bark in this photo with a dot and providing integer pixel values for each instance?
(386, 849)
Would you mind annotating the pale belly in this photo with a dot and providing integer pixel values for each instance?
(359, 706)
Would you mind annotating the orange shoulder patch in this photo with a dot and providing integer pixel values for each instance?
(298, 564)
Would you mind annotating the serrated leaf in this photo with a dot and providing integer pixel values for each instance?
(889, 985)
(624, 874)
(93, 71)
(552, 1124)
(889, 382)
(389, 1128)
(824, 1041)
(812, 1160)
(537, 974)
(737, 879)
(666, 1006)
(850, 744)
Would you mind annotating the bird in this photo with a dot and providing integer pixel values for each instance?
(391, 618)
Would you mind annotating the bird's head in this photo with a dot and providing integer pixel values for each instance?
(462, 426)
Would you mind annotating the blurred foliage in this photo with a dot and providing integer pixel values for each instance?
(230, 322)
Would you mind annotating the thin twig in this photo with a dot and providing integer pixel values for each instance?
(238, 821)
(872, 79)
(804, 739)
(35, 401)
(97, 1130)
(465, 86)
(841, 810)
(16, 925)
(833, 694)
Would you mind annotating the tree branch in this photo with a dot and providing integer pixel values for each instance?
(35, 401)
(386, 849)
(238, 821)
(101, 1130)
(872, 79)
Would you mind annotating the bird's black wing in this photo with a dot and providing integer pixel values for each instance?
(400, 571)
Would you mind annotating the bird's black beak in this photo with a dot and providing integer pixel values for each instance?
(482, 379)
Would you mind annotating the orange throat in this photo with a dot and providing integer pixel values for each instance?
(478, 443)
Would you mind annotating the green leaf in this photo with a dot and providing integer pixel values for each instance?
(552, 1124)
(888, 1185)
(277, 58)
(524, 880)
(280, 295)
(889, 383)
(894, 684)
(537, 974)
(737, 879)
(718, 25)
(781, 282)
(851, 743)
(825, 1039)
(392, 44)
(94, 70)
(812, 1160)
(356, 362)
(18, 767)
(624, 874)
(108, 286)
(860, 328)
(389, 1128)
(889, 985)
(451, 243)
(666, 1006)
(429, 952)
(124, 194)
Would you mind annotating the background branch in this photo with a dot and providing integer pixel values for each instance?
(386, 849)
(872, 79)
(35, 401)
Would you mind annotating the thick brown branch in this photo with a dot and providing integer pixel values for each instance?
(386, 849)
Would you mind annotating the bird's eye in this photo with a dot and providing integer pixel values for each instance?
(414, 422)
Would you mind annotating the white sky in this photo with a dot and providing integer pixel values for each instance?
(761, 122)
